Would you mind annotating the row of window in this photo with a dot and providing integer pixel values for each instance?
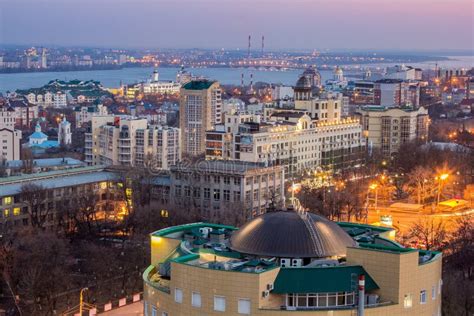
(219, 302)
(408, 299)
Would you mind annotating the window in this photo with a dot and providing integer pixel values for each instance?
(217, 194)
(164, 314)
(145, 308)
(433, 292)
(7, 200)
(226, 180)
(244, 307)
(196, 299)
(440, 285)
(178, 295)
(207, 193)
(423, 297)
(154, 311)
(226, 195)
(408, 301)
(219, 303)
(16, 211)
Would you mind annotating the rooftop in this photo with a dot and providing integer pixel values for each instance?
(198, 85)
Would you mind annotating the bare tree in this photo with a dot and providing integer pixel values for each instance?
(430, 233)
(35, 197)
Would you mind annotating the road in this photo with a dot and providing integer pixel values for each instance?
(403, 220)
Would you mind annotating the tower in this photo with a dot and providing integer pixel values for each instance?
(200, 109)
(43, 59)
(64, 133)
(155, 75)
(263, 43)
(338, 74)
(248, 51)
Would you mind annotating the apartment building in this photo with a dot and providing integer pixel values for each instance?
(130, 141)
(84, 113)
(9, 136)
(200, 109)
(388, 128)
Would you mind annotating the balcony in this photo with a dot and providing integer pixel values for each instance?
(155, 280)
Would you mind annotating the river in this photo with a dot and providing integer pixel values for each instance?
(112, 78)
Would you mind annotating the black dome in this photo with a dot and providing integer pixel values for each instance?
(303, 83)
(287, 234)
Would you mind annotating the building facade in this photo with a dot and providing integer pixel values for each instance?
(216, 185)
(288, 263)
(9, 136)
(200, 110)
(387, 129)
(129, 141)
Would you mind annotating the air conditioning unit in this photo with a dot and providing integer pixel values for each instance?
(265, 294)
(270, 286)
(284, 263)
(296, 262)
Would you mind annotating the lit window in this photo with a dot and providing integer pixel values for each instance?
(6, 212)
(423, 297)
(7, 200)
(196, 299)
(103, 185)
(219, 303)
(244, 307)
(408, 301)
(16, 211)
(178, 295)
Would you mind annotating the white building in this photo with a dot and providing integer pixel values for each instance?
(9, 137)
(289, 138)
(64, 133)
(84, 113)
(129, 141)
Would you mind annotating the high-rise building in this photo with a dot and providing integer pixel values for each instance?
(129, 141)
(200, 109)
(387, 129)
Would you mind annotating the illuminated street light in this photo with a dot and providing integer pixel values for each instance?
(442, 177)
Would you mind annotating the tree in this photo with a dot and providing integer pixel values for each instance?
(430, 233)
(35, 196)
(420, 183)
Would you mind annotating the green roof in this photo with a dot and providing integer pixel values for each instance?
(385, 248)
(198, 85)
(321, 280)
(186, 227)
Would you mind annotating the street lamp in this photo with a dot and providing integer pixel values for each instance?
(441, 178)
(373, 186)
(81, 299)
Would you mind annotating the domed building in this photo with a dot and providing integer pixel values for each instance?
(288, 263)
(308, 84)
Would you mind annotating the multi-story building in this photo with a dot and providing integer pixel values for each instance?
(9, 136)
(291, 139)
(129, 141)
(214, 185)
(84, 113)
(59, 187)
(396, 92)
(386, 129)
(200, 109)
(287, 263)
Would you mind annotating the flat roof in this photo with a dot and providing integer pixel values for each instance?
(198, 85)
(56, 179)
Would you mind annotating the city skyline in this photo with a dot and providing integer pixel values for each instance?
(427, 25)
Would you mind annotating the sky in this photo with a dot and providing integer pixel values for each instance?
(286, 24)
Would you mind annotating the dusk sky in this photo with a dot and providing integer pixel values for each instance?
(359, 24)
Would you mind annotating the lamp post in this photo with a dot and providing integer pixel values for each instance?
(81, 299)
(441, 178)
